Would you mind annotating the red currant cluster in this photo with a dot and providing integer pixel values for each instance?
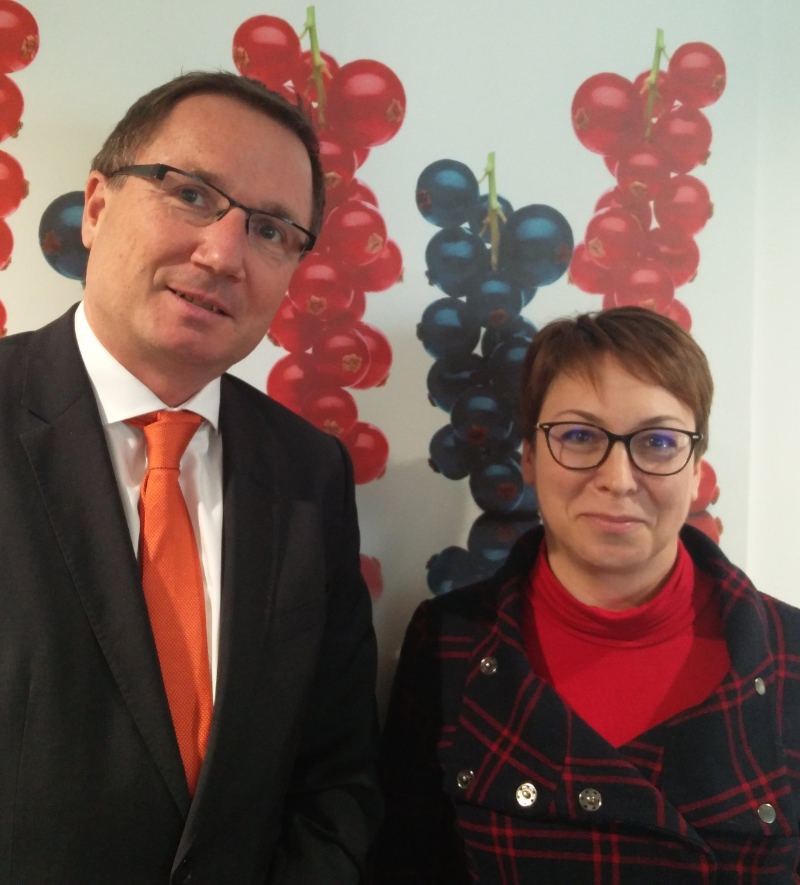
(651, 133)
(353, 108)
(19, 42)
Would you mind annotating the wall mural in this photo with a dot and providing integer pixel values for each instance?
(19, 43)
(487, 258)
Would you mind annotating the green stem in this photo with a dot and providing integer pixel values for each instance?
(317, 64)
(495, 213)
(652, 81)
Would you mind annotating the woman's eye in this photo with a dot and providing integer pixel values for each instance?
(579, 436)
(660, 441)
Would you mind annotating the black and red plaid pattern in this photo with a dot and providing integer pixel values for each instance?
(679, 804)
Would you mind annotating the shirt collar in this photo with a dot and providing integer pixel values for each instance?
(121, 395)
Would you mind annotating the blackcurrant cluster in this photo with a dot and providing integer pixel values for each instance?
(489, 261)
(651, 133)
(19, 43)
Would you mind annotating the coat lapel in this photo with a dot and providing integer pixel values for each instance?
(70, 460)
(254, 524)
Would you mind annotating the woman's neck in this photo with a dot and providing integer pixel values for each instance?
(614, 589)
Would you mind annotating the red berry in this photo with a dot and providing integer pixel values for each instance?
(372, 575)
(266, 48)
(13, 186)
(19, 37)
(319, 287)
(676, 250)
(355, 232)
(642, 172)
(707, 491)
(10, 106)
(684, 202)
(608, 301)
(291, 379)
(369, 450)
(614, 198)
(331, 409)
(607, 113)
(352, 313)
(6, 246)
(380, 357)
(338, 164)
(644, 283)
(361, 156)
(341, 356)
(357, 190)
(708, 524)
(665, 94)
(292, 330)
(679, 312)
(684, 135)
(613, 235)
(587, 274)
(366, 103)
(697, 73)
(303, 75)
(382, 273)
(611, 164)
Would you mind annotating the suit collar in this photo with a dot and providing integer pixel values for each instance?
(71, 462)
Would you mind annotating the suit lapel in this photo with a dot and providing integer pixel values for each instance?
(70, 460)
(255, 516)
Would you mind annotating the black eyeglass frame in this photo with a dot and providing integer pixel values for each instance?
(158, 172)
(625, 439)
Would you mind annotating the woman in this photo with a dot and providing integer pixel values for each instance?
(618, 704)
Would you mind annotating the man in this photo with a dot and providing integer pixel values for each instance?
(203, 712)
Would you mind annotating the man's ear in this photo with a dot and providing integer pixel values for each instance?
(94, 203)
(528, 463)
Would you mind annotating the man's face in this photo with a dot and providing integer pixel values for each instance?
(145, 264)
(612, 519)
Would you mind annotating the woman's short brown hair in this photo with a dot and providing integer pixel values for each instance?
(651, 347)
(144, 117)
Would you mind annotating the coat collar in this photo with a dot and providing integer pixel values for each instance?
(514, 728)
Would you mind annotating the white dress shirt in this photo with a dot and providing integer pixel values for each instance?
(121, 396)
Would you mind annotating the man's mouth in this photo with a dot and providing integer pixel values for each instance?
(193, 299)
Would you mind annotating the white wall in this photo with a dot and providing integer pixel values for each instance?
(479, 77)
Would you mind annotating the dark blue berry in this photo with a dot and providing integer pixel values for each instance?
(453, 256)
(492, 537)
(448, 328)
(528, 506)
(449, 378)
(495, 299)
(447, 192)
(527, 295)
(454, 567)
(497, 485)
(536, 246)
(477, 218)
(450, 456)
(60, 236)
(481, 416)
(520, 327)
(506, 363)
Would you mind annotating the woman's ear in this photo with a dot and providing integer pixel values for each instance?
(528, 463)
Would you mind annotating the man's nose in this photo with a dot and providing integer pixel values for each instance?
(223, 245)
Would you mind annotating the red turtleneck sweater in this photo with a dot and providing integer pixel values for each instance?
(624, 672)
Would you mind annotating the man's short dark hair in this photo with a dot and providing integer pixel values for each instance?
(143, 119)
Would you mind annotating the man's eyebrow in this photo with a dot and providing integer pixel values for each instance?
(272, 208)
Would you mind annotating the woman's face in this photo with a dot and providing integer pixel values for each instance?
(612, 519)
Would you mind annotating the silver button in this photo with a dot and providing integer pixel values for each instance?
(590, 799)
(488, 666)
(464, 778)
(767, 813)
(526, 795)
(760, 687)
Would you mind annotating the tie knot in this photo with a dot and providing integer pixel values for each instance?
(167, 434)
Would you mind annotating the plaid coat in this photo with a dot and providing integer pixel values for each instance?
(491, 778)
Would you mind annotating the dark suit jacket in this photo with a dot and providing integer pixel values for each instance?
(682, 803)
(92, 788)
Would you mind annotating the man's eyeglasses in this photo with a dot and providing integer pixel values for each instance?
(659, 451)
(195, 201)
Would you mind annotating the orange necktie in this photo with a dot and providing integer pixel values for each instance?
(173, 584)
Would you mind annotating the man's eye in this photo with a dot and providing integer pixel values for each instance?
(268, 230)
(192, 196)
